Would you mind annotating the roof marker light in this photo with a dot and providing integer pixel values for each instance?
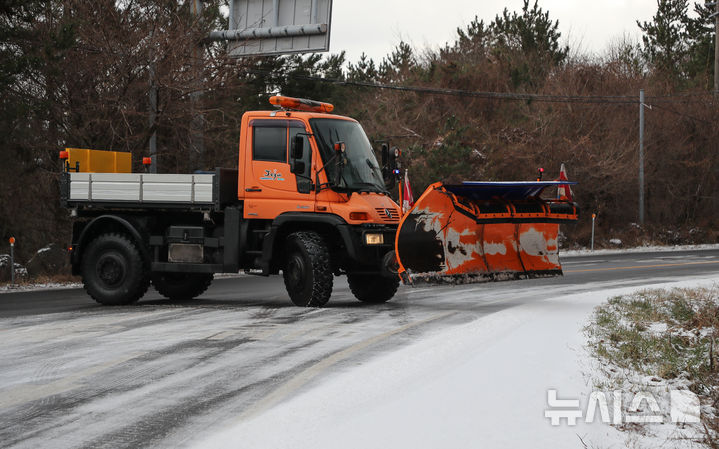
(301, 104)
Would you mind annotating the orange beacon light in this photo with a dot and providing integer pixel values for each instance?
(301, 104)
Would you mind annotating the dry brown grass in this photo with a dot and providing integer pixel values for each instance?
(49, 279)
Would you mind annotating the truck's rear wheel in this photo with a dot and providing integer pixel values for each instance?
(307, 271)
(373, 289)
(181, 286)
(113, 271)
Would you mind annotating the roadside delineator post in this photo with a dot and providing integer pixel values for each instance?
(12, 261)
(594, 216)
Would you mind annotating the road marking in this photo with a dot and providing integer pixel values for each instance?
(642, 266)
(298, 381)
(564, 263)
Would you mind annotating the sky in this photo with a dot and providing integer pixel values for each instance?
(377, 26)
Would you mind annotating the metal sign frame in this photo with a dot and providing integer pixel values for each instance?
(273, 27)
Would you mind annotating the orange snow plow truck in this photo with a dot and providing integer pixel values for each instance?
(307, 199)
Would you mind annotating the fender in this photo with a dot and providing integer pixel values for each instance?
(98, 222)
(307, 218)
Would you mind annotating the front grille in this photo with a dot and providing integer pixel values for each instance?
(393, 214)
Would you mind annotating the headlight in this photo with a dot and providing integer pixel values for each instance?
(374, 239)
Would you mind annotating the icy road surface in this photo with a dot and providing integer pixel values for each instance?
(436, 366)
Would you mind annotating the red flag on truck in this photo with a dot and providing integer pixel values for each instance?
(407, 198)
(564, 191)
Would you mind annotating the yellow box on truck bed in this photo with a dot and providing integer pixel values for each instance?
(100, 161)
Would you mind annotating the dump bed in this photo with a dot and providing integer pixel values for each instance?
(145, 190)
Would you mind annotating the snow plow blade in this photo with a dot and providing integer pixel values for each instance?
(482, 231)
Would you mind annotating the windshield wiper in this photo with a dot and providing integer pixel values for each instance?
(374, 171)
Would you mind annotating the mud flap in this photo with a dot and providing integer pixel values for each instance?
(480, 232)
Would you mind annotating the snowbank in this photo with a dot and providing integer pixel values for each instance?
(7, 288)
(639, 249)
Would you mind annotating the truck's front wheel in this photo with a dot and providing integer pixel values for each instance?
(113, 271)
(181, 286)
(307, 271)
(373, 289)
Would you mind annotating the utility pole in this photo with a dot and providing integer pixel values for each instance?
(716, 48)
(197, 137)
(641, 157)
(708, 5)
(153, 107)
(153, 120)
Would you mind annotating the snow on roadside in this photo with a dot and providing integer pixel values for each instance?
(482, 384)
(639, 249)
(7, 288)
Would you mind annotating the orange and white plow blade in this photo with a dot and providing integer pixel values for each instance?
(455, 238)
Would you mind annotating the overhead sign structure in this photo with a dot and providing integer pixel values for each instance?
(271, 27)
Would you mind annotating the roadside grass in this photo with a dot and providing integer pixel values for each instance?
(667, 336)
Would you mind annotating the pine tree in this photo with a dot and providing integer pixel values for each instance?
(364, 70)
(665, 40)
(528, 43)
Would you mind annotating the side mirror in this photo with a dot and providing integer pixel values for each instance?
(340, 147)
(384, 149)
(390, 165)
(298, 147)
(297, 167)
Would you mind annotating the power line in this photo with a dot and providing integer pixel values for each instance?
(681, 114)
(589, 99)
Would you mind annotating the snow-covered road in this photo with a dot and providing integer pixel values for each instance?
(451, 366)
(482, 384)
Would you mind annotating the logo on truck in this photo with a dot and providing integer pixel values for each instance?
(272, 175)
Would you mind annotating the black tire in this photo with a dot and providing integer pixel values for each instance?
(181, 286)
(372, 288)
(307, 270)
(113, 270)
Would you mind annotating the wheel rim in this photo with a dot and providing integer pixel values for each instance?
(111, 270)
(296, 269)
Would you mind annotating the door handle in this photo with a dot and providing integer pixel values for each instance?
(253, 189)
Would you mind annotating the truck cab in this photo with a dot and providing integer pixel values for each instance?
(309, 171)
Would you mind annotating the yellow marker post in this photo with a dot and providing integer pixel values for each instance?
(12, 261)
(594, 216)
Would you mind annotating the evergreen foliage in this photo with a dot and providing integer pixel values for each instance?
(77, 74)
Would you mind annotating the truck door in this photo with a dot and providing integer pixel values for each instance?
(271, 188)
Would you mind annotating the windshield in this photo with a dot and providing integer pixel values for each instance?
(361, 171)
